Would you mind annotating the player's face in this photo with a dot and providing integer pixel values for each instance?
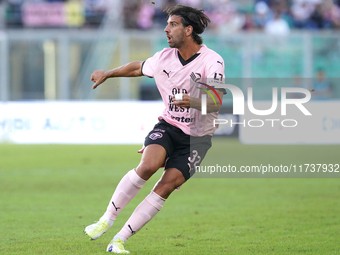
(175, 32)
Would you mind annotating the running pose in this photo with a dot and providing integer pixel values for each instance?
(182, 137)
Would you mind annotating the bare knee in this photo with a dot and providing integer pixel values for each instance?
(146, 170)
(170, 180)
(152, 159)
(164, 189)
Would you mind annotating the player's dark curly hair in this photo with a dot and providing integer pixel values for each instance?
(190, 17)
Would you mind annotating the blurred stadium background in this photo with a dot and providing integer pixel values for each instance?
(49, 48)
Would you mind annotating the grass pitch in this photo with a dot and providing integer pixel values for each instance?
(49, 193)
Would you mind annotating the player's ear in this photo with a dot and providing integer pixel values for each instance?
(188, 30)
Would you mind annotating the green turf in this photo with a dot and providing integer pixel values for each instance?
(49, 193)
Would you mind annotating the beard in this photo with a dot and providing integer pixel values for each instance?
(176, 42)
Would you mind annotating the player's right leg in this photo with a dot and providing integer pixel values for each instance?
(147, 209)
(153, 158)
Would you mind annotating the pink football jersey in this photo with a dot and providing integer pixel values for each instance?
(174, 75)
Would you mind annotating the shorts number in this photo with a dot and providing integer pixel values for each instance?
(195, 160)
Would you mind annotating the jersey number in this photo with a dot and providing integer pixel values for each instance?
(218, 77)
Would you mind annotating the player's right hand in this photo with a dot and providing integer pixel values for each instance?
(98, 76)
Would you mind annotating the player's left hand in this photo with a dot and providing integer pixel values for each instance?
(185, 102)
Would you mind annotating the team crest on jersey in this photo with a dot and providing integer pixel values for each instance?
(195, 76)
(155, 136)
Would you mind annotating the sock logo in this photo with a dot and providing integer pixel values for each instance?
(115, 206)
(132, 231)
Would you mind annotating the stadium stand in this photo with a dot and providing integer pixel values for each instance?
(237, 32)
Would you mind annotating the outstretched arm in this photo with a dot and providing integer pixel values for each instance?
(132, 69)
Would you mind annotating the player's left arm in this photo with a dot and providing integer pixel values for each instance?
(215, 74)
(196, 103)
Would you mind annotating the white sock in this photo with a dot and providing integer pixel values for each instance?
(144, 212)
(104, 218)
(127, 188)
(119, 237)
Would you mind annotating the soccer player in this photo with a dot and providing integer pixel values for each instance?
(182, 137)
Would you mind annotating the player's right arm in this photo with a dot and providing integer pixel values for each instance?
(132, 69)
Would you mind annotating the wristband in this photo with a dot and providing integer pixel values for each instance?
(179, 97)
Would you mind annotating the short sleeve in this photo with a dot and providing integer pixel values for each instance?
(149, 65)
(215, 73)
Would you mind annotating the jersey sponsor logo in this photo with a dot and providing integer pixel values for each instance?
(182, 119)
(167, 73)
(220, 62)
(155, 136)
(175, 108)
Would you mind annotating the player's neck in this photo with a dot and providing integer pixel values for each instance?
(188, 50)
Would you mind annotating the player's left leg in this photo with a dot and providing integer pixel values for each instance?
(188, 153)
(147, 209)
